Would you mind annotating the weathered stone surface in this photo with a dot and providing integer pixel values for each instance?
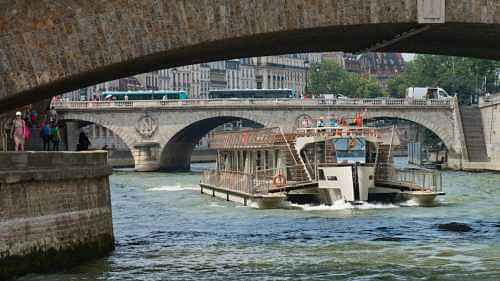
(49, 48)
(180, 128)
(56, 217)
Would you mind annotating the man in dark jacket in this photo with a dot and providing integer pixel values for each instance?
(83, 142)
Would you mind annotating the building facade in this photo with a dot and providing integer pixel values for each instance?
(382, 66)
(272, 72)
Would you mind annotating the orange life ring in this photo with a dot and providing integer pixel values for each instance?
(279, 180)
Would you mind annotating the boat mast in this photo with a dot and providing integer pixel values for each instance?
(390, 145)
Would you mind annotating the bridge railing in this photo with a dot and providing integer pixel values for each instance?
(489, 100)
(373, 102)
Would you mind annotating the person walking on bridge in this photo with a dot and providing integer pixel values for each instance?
(18, 132)
(46, 134)
(55, 137)
(52, 115)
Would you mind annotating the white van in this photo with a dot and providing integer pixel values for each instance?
(426, 93)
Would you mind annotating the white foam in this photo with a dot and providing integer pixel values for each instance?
(215, 205)
(410, 203)
(342, 205)
(172, 188)
(253, 205)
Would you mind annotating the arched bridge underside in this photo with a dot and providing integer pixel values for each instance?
(165, 137)
(50, 47)
(176, 155)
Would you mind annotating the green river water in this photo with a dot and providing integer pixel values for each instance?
(166, 230)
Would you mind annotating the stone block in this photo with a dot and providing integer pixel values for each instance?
(55, 210)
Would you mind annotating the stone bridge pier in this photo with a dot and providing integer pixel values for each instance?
(162, 136)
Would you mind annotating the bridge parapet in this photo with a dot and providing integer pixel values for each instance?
(243, 103)
(489, 101)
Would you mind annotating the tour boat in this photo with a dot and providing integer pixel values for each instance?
(268, 168)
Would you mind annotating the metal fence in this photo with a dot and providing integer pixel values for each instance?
(414, 179)
(236, 181)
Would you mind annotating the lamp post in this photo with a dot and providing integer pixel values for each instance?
(306, 65)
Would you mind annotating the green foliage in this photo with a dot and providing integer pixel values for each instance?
(464, 76)
(330, 78)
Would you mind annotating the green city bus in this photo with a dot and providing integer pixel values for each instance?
(148, 95)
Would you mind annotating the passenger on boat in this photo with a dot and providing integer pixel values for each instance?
(333, 122)
(320, 123)
(358, 120)
(342, 122)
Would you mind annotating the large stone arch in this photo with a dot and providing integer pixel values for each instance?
(177, 151)
(48, 49)
(440, 122)
(90, 118)
(441, 125)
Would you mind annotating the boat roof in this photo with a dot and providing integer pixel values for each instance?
(273, 137)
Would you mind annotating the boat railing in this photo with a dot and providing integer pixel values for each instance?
(415, 179)
(269, 175)
(261, 182)
(342, 131)
(247, 138)
(236, 181)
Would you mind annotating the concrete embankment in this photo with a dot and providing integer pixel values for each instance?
(55, 211)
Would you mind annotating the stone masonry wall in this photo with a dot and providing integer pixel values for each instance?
(491, 123)
(48, 48)
(55, 210)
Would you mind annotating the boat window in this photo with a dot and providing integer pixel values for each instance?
(351, 150)
(333, 178)
(321, 175)
(258, 161)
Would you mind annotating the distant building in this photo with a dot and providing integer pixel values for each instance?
(272, 72)
(352, 63)
(233, 77)
(218, 78)
(283, 72)
(248, 74)
(382, 66)
(336, 57)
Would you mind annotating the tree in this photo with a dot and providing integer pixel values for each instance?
(464, 76)
(330, 78)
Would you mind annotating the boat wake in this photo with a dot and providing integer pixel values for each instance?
(342, 205)
(410, 203)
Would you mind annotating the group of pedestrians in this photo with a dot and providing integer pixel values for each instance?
(51, 136)
(28, 121)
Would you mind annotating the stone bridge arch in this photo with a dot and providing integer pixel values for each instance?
(441, 122)
(179, 128)
(124, 135)
(179, 143)
(442, 125)
(49, 49)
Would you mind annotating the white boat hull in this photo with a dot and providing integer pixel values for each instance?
(351, 183)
